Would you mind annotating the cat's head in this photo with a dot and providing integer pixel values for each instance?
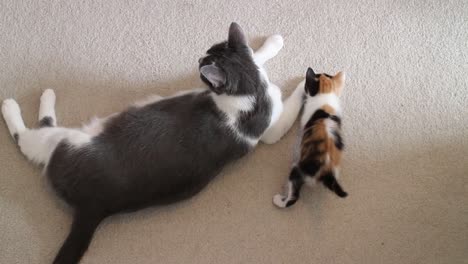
(323, 83)
(228, 67)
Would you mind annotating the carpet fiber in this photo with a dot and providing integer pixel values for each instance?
(405, 127)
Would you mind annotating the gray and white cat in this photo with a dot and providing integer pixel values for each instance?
(160, 150)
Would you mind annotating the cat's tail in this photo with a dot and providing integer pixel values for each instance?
(82, 230)
(329, 180)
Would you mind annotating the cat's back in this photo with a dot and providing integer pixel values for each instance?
(321, 140)
(176, 130)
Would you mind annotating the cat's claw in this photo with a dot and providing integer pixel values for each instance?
(279, 200)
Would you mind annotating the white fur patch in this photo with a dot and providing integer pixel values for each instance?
(316, 102)
(232, 106)
(39, 144)
(277, 105)
(96, 125)
(310, 181)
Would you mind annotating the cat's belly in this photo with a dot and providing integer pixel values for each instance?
(123, 181)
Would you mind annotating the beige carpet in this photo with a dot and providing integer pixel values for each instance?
(406, 128)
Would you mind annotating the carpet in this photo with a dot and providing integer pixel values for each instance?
(405, 128)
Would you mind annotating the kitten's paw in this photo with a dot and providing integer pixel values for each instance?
(10, 108)
(279, 200)
(276, 42)
(48, 95)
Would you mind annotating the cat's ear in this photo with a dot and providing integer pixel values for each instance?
(214, 75)
(311, 83)
(236, 36)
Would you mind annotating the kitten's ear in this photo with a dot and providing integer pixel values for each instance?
(236, 36)
(311, 84)
(339, 79)
(310, 75)
(215, 76)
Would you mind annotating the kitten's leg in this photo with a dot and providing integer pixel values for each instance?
(329, 180)
(295, 182)
(291, 108)
(12, 114)
(268, 50)
(47, 116)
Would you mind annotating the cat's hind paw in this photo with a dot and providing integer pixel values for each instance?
(10, 108)
(12, 114)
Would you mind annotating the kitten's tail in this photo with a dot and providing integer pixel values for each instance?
(82, 230)
(331, 183)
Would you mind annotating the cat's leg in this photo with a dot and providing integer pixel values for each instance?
(38, 144)
(294, 185)
(291, 108)
(268, 50)
(47, 116)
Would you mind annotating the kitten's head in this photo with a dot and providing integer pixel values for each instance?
(228, 67)
(323, 83)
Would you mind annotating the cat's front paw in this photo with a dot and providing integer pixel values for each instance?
(275, 41)
(279, 200)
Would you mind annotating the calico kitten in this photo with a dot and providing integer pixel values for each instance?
(321, 142)
(160, 150)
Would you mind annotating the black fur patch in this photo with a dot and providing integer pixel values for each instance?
(310, 166)
(292, 201)
(312, 87)
(319, 114)
(337, 119)
(16, 137)
(338, 140)
(46, 121)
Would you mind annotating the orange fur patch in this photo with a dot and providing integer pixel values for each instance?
(331, 85)
(330, 110)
